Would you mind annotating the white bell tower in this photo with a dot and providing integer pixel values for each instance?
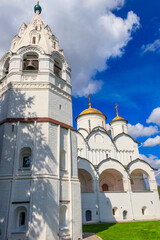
(39, 186)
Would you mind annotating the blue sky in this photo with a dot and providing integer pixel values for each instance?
(133, 80)
(113, 48)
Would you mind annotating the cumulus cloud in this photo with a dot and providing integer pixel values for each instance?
(152, 47)
(88, 31)
(153, 160)
(139, 130)
(151, 142)
(155, 116)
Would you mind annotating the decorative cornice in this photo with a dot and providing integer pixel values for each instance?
(40, 119)
(35, 85)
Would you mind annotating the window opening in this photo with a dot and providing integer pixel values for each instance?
(88, 215)
(26, 161)
(22, 217)
(30, 62)
(89, 123)
(34, 40)
(57, 68)
(124, 215)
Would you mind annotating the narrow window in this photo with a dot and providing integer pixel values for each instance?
(130, 158)
(60, 107)
(54, 45)
(22, 218)
(89, 123)
(26, 161)
(124, 215)
(34, 40)
(12, 127)
(88, 216)
(113, 211)
(36, 28)
(25, 158)
(122, 128)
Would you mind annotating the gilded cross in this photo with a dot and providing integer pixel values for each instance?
(116, 107)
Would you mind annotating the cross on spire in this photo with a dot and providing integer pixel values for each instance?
(89, 97)
(116, 107)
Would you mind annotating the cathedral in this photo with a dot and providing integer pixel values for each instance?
(52, 177)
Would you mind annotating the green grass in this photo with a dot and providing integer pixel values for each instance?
(126, 231)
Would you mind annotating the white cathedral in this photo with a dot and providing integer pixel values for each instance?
(53, 178)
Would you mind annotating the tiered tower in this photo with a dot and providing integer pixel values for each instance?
(39, 186)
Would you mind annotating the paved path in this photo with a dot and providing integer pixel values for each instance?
(90, 236)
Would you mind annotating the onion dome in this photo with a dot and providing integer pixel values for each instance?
(91, 110)
(38, 8)
(118, 118)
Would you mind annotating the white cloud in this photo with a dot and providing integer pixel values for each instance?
(155, 116)
(152, 47)
(139, 130)
(88, 31)
(154, 161)
(151, 142)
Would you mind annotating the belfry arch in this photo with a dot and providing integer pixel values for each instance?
(140, 180)
(85, 180)
(111, 180)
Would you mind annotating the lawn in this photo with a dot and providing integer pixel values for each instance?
(126, 231)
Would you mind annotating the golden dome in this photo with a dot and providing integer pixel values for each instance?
(91, 110)
(118, 118)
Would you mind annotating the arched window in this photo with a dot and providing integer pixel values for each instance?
(88, 216)
(105, 187)
(124, 215)
(30, 62)
(85, 180)
(54, 45)
(6, 66)
(144, 210)
(111, 180)
(139, 180)
(34, 40)
(114, 211)
(63, 217)
(20, 219)
(57, 67)
(25, 158)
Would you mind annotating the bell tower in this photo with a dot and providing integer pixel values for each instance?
(39, 186)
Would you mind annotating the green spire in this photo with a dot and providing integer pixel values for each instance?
(37, 7)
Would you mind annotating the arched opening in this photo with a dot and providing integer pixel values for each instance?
(57, 67)
(88, 216)
(6, 66)
(111, 180)
(144, 210)
(25, 158)
(115, 211)
(20, 219)
(124, 215)
(30, 62)
(86, 181)
(63, 217)
(34, 40)
(139, 180)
